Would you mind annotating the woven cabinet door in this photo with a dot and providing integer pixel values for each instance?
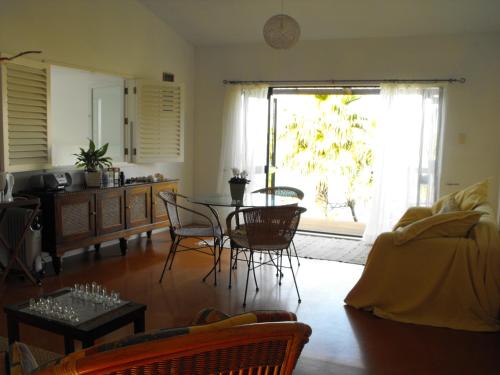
(158, 206)
(138, 206)
(110, 212)
(75, 217)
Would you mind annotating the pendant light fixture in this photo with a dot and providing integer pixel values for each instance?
(281, 31)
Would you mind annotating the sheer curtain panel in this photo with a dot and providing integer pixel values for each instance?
(405, 154)
(244, 135)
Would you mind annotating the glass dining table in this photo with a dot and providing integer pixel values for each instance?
(249, 200)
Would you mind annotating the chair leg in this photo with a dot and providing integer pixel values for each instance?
(295, 252)
(280, 262)
(235, 264)
(216, 245)
(248, 274)
(253, 270)
(230, 266)
(221, 247)
(293, 274)
(177, 242)
(170, 252)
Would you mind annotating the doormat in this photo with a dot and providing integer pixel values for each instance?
(346, 250)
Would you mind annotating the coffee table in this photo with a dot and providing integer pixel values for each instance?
(86, 332)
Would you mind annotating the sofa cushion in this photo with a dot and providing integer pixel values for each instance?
(449, 205)
(413, 214)
(21, 361)
(451, 224)
(212, 315)
(209, 315)
(468, 198)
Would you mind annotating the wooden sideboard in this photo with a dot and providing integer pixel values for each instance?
(79, 217)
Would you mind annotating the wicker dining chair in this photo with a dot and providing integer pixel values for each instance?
(179, 232)
(284, 191)
(266, 230)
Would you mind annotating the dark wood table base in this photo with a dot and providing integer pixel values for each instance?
(86, 332)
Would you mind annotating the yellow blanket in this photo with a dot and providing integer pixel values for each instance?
(444, 282)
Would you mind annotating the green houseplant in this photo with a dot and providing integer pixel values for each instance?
(93, 161)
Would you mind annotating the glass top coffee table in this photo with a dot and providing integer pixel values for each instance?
(87, 331)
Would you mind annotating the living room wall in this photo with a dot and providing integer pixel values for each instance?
(471, 114)
(112, 36)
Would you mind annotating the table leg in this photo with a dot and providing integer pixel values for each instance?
(148, 233)
(12, 329)
(139, 323)
(87, 343)
(69, 344)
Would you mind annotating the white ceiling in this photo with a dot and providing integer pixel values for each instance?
(220, 22)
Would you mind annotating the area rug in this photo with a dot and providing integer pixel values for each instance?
(324, 247)
(337, 249)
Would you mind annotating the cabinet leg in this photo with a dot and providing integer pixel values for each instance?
(149, 233)
(123, 246)
(56, 263)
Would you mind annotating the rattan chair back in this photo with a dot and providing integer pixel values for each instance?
(261, 348)
(283, 191)
(170, 199)
(271, 228)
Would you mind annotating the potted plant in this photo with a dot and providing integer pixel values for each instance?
(93, 161)
(237, 184)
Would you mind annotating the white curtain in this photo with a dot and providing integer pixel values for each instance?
(405, 154)
(244, 135)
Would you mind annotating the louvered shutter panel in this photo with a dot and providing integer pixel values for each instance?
(25, 91)
(159, 133)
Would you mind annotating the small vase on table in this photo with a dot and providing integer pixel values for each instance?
(237, 184)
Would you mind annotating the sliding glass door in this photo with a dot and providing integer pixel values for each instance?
(320, 141)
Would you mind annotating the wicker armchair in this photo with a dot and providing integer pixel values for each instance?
(265, 342)
(266, 229)
(180, 232)
(284, 191)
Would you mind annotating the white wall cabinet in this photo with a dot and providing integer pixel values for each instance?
(158, 127)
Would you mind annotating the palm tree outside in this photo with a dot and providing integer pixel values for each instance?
(325, 143)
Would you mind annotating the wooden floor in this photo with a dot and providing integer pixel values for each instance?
(344, 340)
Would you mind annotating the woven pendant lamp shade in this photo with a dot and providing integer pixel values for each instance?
(281, 31)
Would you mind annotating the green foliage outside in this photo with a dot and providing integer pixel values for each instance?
(336, 142)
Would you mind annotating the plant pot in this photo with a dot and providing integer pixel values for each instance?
(237, 191)
(93, 179)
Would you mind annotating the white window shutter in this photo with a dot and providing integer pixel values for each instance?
(159, 130)
(25, 116)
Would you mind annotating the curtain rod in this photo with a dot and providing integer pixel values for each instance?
(334, 81)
